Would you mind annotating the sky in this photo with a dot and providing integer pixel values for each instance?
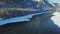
(55, 1)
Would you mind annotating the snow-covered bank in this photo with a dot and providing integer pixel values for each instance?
(18, 19)
(56, 13)
(56, 18)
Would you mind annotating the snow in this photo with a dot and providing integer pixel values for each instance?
(19, 19)
(56, 19)
(49, 3)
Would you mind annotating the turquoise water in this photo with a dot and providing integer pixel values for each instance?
(18, 19)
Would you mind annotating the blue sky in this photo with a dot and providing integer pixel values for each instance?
(55, 1)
